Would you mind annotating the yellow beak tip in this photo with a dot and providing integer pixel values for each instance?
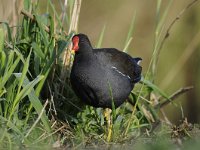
(73, 51)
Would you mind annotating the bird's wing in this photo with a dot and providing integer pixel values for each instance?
(117, 61)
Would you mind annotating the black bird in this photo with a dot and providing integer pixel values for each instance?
(100, 76)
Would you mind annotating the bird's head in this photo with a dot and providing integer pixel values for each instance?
(80, 41)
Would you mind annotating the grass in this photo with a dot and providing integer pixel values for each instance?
(38, 108)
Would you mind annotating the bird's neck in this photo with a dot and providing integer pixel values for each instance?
(85, 49)
(85, 53)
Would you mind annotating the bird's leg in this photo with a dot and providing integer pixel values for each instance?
(107, 114)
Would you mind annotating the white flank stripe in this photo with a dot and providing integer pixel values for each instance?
(120, 72)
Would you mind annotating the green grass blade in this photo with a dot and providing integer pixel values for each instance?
(6, 25)
(56, 14)
(113, 104)
(163, 18)
(158, 11)
(27, 4)
(130, 32)
(10, 67)
(3, 60)
(28, 90)
(101, 37)
(11, 126)
(1, 40)
(40, 85)
(37, 50)
(155, 88)
(158, 34)
(24, 72)
(2, 53)
(51, 26)
(19, 54)
(42, 31)
(27, 86)
(48, 66)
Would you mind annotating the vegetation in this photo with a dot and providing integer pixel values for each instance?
(38, 106)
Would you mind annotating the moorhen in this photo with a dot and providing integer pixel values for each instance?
(100, 76)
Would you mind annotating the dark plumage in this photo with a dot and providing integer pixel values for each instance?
(99, 76)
